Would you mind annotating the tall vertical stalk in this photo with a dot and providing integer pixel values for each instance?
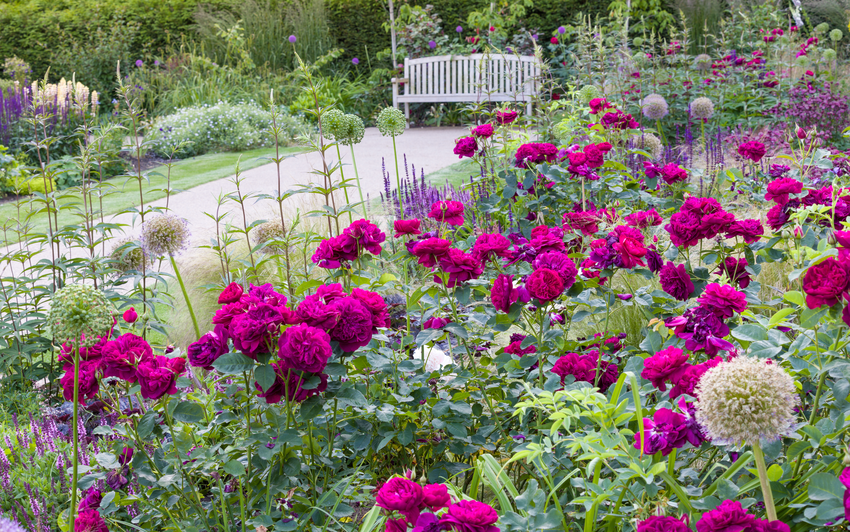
(769, 507)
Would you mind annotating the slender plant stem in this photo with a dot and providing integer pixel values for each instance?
(75, 435)
(398, 181)
(357, 176)
(342, 179)
(185, 295)
(765, 482)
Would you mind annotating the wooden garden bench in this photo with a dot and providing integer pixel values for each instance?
(471, 78)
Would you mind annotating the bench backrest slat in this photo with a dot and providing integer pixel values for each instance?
(475, 74)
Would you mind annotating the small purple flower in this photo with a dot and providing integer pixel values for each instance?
(292, 39)
(156, 62)
(562, 30)
(533, 36)
(624, 297)
(355, 61)
(459, 29)
(139, 62)
(432, 44)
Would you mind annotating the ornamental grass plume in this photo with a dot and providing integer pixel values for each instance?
(165, 234)
(746, 400)
(702, 108)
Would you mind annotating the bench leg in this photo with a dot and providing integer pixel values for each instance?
(407, 114)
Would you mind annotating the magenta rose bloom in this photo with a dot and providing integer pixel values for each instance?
(430, 250)
(450, 212)
(460, 266)
(231, 294)
(505, 117)
(684, 229)
(407, 227)
(436, 496)
(547, 241)
(465, 147)
(723, 300)
(667, 430)
(844, 477)
(824, 282)
(90, 521)
(396, 525)
(435, 323)
(208, 348)
(667, 364)
(676, 281)
(121, 356)
(354, 328)
(779, 190)
(88, 385)
(503, 293)
(483, 131)
(314, 311)
(686, 382)
(749, 230)
(304, 348)
(644, 219)
(470, 516)
(672, 173)
(401, 495)
(736, 270)
(665, 523)
(535, 152)
(158, 376)
(544, 284)
(489, 245)
(730, 515)
(332, 252)
(225, 314)
(252, 331)
(375, 304)
(363, 234)
(560, 263)
(293, 382)
(585, 222)
(752, 150)
(91, 500)
(581, 367)
(629, 246)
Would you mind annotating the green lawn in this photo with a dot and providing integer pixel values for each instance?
(185, 174)
(456, 174)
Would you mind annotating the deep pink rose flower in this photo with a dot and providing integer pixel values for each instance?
(430, 250)
(586, 222)
(460, 266)
(304, 348)
(644, 219)
(470, 516)
(544, 284)
(465, 147)
(252, 331)
(332, 252)
(484, 131)
(401, 495)
(503, 293)
(686, 382)
(548, 241)
(375, 304)
(749, 230)
(91, 500)
(225, 314)
(130, 315)
(515, 347)
(505, 117)
(293, 382)
(396, 525)
(684, 229)
(824, 282)
(560, 263)
(672, 173)
(88, 385)
(354, 328)
(651, 170)
(723, 300)
(158, 376)
(701, 329)
(779, 215)
(598, 104)
(208, 348)
(664, 523)
(435, 323)
(535, 152)
(583, 368)
(316, 312)
(778, 190)
(90, 521)
(231, 294)
(667, 430)
(676, 281)
(736, 270)
(629, 246)
(489, 244)
(363, 235)
(667, 364)
(436, 496)
(407, 227)
(594, 157)
(729, 516)
(450, 212)
(752, 150)
(121, 356)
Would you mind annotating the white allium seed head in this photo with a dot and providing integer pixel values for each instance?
(702, 108)
(702, 62)
(128, 255)
(165, 234)
(655, 107)
(391, 122)
(272, 234)
(649, 143)
(836, 35)
(746, 400)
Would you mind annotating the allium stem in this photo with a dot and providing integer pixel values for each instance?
(765, 482)
(398, 182)
(357, 176)
(185, 296)
(75, 435)
(342, 178)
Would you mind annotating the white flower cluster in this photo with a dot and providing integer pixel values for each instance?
(702, 108)
(233, 127)
(80, 314)
(655, 107)
(165, 234)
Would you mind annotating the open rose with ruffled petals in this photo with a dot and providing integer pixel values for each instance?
(503, 293)
(470, 516)
(121, 356)
(449, 212)
(208, 348)
(465, 147)
(401, 495)
(407, 227)
(824, 282)
(460, 266)
(667, 364)
(304, 348)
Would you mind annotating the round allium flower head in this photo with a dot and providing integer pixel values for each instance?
(354, 130)
(702, 62)
(128, 255)
(702, 108)
(746, 400)
(391, 122)
(80, 313)
(655, 107)
(272, 235)
(459, 29)
(355, 61)
(829, 54)
(165, 234)
(333, 124)
(588, 92)
(803, 61)
(650, 144)
(292, 39)
(836, 35)
(432, 44)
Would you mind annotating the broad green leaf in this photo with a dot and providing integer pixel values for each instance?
(235, 468)
(188, 412)
(825, 486)
(233, 364)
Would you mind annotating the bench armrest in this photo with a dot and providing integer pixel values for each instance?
(400, 80)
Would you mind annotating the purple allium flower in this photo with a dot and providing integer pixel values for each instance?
(459, 29)
(562, 30)
(533, 36)
(156, 62)
(355, 61)
(292, 39)
(139, 62)
(432, 44)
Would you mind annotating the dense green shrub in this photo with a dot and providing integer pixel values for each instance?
(233, 127)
